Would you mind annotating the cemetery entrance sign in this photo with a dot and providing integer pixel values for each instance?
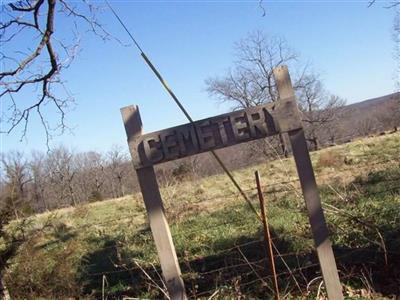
(204, 135)
(218, 132)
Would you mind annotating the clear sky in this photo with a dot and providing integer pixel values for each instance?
(189, 41)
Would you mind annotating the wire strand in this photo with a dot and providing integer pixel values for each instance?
(182, 108)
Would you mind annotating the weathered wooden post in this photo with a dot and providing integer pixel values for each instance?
(219, 132)
(155, 210)
(290, 123)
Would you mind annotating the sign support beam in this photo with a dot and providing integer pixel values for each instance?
(310, 192)
(155, 212)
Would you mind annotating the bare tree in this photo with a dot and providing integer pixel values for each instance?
(319, 109)
(334, 130)
(39, 181)
(61, 178)
(366, 126)
(391, 4)
(16, 173)
(31, 78)
(251, 80)
(95, 171)
(117, 162)
(389, 118)
(61, 172)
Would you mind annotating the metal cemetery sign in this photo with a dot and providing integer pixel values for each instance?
(216, 133)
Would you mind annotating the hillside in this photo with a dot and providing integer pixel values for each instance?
(361, 119)
(105, 249)
(371, 116)
(373, 103)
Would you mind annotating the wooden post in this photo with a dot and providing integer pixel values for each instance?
(267, 235)
(155, 211)
(309, 188)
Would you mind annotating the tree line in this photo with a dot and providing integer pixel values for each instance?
(61, 178)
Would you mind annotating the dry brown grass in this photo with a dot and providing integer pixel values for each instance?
(329, 159)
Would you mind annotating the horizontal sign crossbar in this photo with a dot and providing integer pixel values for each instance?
(204, 135)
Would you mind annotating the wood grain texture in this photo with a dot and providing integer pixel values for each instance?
(161, 233)
(310, 192)
(286, 112)
(202, 136)
(155, 212)
(316, 215)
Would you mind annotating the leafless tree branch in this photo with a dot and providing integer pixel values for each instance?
(31, 79)
(251, 82)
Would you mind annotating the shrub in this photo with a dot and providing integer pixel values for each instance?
(182, 170)
(27, 209)
(95, 196)
(38, 273)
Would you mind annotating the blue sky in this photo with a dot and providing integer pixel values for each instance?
(349, 44)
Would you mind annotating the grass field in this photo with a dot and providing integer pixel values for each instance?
(105, 249)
